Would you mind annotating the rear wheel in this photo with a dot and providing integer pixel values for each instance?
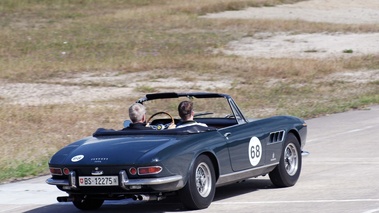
(199, 191)
(288, 171)
(85, 203)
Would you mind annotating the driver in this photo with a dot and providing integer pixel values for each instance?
(137, 114)
(186, 113)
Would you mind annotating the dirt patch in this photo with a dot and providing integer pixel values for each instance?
(318, 45)
(42, 94)
(328, 11)
(81, 87)
(355, 77)
(159, 79)
(89, 87)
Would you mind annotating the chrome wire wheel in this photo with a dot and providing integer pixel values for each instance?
(291, 159)
(203, 179)
(199, 191)
(287, 172)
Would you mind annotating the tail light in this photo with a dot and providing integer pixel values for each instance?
(55, 171)
(66, 171)
(151, 170)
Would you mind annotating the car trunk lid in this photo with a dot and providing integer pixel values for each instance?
(115, 150)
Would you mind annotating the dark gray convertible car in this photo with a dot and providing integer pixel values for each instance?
(189, 162)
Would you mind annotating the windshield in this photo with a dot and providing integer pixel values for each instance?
(203, 107)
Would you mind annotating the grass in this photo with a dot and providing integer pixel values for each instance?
(44, 40)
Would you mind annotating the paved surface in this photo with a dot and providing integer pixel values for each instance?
(340, 175)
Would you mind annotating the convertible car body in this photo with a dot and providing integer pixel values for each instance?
(190, 162)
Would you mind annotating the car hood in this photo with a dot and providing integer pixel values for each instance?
(112, 150)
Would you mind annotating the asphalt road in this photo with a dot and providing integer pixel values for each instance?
(340, 175)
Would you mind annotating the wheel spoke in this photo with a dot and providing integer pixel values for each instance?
(203, 180)
(288, 170)
(199, 190)
(291, 159)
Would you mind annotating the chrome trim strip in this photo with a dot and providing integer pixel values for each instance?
(155, 181)
(72, 179)
(123, 178)
(244, 174)
(149, 167)
(125, 181)
(52, 181)
(305, 153)
(248, 170)
(97, 173)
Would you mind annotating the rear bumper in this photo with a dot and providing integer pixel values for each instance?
(162, 183)
(304, 153)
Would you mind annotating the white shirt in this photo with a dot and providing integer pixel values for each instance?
(193, 123)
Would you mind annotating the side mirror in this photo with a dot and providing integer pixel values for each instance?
(126, 123)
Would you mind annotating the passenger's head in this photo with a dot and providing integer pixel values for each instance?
(185, 110)
(137, 113)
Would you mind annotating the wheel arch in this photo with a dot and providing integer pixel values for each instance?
(214, 160)
(296, 134)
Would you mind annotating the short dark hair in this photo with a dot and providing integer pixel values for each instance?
(185, 109)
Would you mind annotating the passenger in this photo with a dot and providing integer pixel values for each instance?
(186, 113)
(137, 114)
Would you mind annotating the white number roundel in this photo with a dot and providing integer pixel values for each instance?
(255, 151)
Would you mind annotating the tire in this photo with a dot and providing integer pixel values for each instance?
(287, 172)
(199, 191)
(84, 203)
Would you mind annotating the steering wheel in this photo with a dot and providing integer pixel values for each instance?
(161, 126)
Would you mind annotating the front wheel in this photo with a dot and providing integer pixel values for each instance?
(288, 171)
(199, 191)
(84, 203)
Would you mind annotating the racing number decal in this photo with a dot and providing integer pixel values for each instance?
(255, 151)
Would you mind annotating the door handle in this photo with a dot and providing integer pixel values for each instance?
(226, 135)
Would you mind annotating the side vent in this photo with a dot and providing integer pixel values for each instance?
(277, 136)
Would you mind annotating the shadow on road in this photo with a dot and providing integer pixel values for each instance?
(171, 204)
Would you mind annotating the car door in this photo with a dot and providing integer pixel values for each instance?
(246, 144)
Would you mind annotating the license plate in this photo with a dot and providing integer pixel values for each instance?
(98, 181)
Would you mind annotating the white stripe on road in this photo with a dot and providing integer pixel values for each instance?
(372, 211)
(341, 133)
(297, 201)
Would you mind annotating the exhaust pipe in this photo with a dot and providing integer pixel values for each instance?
(65, 199)
(148, 197)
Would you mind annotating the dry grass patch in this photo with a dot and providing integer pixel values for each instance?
(33, 133)
(147, 46)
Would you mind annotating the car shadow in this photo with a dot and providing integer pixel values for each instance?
(245, 187)
(170, 204)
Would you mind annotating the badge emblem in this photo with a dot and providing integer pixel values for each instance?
(77, 158)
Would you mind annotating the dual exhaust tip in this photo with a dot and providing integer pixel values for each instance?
(147, 197)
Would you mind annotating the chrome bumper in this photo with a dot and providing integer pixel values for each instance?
(124, 181)
(304, 153)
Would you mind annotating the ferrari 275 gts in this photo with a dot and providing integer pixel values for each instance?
(190, 162)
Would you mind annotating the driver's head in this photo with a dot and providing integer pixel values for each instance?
(137, 113)
(185, 109)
